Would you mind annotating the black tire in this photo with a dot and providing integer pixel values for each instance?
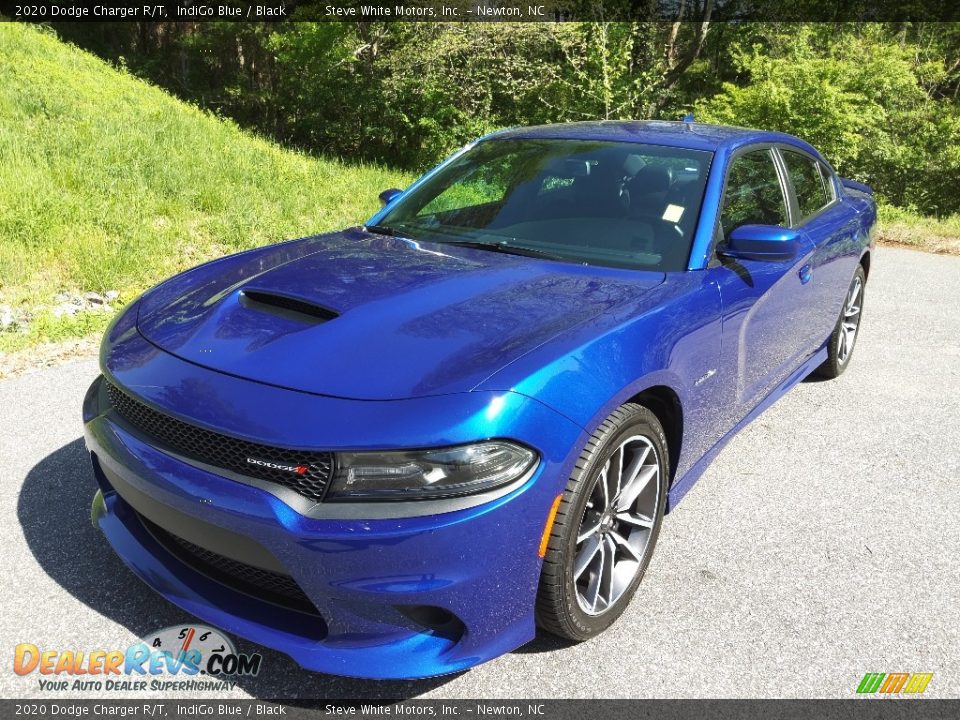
(838, 353)
(559, 609)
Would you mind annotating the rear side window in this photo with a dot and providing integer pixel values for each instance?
(808, 183)
(828, 187)
(753, 195)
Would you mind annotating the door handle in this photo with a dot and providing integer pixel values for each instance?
(805, 273)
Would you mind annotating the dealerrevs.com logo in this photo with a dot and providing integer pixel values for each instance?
(177, 658)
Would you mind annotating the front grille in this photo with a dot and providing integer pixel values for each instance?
(223, 451)
(264, 584)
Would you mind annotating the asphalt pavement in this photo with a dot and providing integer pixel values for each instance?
(823, 543)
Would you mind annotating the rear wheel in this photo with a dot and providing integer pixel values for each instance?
(606, 526)
(844, 336)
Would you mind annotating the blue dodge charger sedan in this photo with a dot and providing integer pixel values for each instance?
(394, 451)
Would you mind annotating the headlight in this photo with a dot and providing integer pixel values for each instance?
(425, 474)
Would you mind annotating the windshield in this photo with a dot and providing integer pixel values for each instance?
(602, 203)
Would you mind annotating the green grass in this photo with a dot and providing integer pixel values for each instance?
(902, 227)
(110, 183)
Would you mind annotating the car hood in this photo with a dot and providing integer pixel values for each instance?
(364, 316)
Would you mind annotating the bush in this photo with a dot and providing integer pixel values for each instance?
(863, 101)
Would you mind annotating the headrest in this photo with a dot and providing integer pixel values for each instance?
(632, 164)
(651, 179)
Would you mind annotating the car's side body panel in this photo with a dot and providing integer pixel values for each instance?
(739, 336)
(682, 485)
(838, 236)
(841, 235)
(669, 337)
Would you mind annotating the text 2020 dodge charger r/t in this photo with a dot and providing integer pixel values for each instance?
(392, 451)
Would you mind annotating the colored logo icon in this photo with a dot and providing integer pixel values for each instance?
(893, 683)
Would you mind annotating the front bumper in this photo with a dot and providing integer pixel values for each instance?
(396, 597)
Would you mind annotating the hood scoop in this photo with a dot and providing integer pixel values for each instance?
(286, 306)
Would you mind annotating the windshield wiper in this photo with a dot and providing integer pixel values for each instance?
(506, 248)
(381, 230)
(501, 247)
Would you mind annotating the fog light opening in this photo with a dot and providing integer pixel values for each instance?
(434, 620)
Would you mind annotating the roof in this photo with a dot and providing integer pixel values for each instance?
(693, 135)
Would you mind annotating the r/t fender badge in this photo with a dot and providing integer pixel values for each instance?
(709, 374)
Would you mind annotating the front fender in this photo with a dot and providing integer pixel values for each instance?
(670, 337)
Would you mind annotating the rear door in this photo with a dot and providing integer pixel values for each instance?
(832, 228)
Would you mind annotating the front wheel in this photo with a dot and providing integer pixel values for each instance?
(844, 336)
(606, 526)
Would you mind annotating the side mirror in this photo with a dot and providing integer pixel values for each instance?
(761, 242)
(388, 196)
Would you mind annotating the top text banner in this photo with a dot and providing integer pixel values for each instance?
(44, 11)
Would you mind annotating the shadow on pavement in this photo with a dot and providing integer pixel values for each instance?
(813, 379)
(54, 511)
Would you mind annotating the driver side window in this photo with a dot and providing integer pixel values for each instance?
(753, 195)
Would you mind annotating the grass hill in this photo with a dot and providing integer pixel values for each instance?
(109, 183)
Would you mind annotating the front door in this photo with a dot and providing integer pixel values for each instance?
(766, 308)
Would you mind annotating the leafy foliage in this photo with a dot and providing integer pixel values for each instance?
(868, 105)
(880, 99)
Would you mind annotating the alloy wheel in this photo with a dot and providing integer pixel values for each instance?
(850, 323)
(615, 530)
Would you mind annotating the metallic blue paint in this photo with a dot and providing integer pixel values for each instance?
(445, 315)
(437, 345)
(763, 242)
